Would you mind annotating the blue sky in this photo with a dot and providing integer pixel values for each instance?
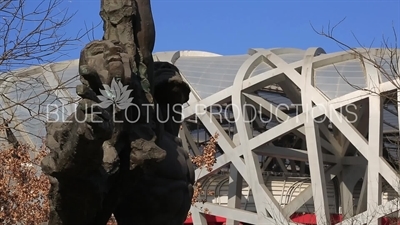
(232, 27)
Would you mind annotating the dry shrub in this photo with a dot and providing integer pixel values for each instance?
(207, 159)
(23, 188)
(197, 192)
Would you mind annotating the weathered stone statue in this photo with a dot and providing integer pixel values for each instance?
(112, 158)
(164, 191)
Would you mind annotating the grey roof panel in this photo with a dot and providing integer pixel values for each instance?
(67, 75)
(208, 75)
(340, 79)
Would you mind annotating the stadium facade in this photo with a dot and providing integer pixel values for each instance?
(302, 134)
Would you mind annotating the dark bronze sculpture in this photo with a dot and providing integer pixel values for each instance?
(101, 162)
(164, 190)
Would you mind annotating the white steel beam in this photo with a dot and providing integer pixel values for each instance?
(298, 121)
(232, 213)
(362, 199)
(313, 144)
(222, 96)
(389, 85)
(198, 217)
(222, 160)
(358, 140)
(307, 194)
(232, 152)
(349, 177)
(271, 110)
(290, 153)
(375, 144)
(361, 124)
(234, 192)
(255, 178)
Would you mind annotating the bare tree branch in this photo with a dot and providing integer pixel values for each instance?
(33, 36)
(385, 59)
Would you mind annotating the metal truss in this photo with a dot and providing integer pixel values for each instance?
(336, 149)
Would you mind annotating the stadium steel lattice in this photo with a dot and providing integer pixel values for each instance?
(320, 138)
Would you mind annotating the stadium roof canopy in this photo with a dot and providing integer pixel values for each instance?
(25, 94)
(276, 81)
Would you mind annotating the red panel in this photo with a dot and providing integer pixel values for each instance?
(306, 219)
(211, 220)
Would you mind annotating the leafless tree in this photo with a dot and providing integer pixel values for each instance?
(386, 60)
(32, 36)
